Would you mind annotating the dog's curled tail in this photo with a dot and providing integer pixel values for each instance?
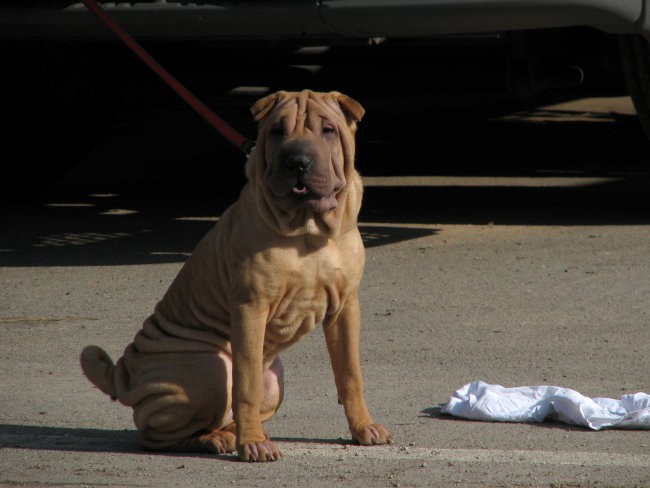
(99, 369)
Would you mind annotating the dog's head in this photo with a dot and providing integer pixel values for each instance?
(303, 162)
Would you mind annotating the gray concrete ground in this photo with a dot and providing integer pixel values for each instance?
(526, 280)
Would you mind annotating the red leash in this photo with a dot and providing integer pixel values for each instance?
(202, 109)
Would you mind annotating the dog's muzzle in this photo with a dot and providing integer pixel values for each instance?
(302, 178)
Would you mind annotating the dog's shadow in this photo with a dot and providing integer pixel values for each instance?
(68, 439)
(45, 438)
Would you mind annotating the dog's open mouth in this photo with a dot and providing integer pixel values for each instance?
(300, 189)
(314, 201)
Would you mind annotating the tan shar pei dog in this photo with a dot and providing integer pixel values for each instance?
(203, 373)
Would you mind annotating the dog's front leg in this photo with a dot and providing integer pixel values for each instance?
(342, 334)
(248, 327)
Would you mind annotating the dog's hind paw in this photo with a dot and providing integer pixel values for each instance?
(215, 441)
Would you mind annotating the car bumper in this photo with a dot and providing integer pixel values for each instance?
(333, 19)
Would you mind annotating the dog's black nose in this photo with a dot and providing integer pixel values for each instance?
(298, 163)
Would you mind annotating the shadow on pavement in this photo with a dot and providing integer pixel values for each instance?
(618, 201)
(435, 413)
(68, 439)
(102, 440)
(113, 230)
(85, 440)
(105, 231)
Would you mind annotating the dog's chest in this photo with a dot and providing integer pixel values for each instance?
(312, 293)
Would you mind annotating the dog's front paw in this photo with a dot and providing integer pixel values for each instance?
(373, 434)
(262, 451)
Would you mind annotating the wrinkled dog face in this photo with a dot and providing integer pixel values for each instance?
(304, 154)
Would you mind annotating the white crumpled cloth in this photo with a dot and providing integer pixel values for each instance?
(481, 401)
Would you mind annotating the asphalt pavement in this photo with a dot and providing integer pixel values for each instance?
(512, 248)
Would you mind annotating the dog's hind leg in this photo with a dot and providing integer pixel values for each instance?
(273, 386)
(218, 441)
(187, 402)
(223, 440)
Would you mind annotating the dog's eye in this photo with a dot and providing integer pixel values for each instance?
(328, 130)
(277, 130)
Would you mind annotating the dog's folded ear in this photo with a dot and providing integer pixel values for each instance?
(263, 106)
(351, 108)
